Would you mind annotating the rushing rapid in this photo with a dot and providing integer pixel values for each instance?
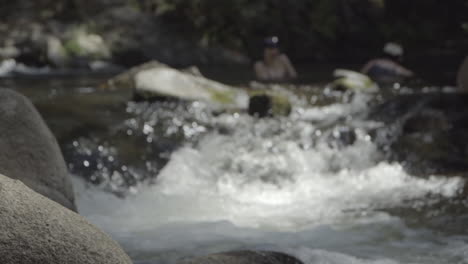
(315, 185)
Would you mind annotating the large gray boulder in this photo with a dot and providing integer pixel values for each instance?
(35, 229)
(29, 152)
(245, 257)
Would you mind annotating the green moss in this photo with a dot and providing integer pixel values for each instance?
(72, 47)
(281, 105)
(224, 97)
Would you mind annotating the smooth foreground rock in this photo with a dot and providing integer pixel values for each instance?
(29, 152)
(35, 230)
(245, 257)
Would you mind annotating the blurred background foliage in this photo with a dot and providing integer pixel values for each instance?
(309, 29)
(326, 26)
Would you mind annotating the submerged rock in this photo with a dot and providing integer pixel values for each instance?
(29, 151)
(35, 229)
(260, 105)
(245, 257)
(428, 132)
(268, 103)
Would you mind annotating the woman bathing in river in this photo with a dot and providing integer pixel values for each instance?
(275, 65)
(387, 69)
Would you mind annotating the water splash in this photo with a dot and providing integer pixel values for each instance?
(303, 185)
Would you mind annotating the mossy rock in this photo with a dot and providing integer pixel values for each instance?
(126, 80)
(82, 43)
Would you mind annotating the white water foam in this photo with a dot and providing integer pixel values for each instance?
(260, 188)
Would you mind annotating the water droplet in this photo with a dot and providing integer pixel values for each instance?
(147, 129)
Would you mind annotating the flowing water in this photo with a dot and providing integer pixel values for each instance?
(170, 180)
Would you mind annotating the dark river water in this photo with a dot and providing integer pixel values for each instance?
(170, 180)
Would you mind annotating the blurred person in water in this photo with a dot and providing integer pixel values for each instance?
(387, 69)
(275, 65)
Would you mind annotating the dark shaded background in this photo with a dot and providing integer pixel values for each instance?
(180, 32)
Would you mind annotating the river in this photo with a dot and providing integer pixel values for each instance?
(171, 180)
